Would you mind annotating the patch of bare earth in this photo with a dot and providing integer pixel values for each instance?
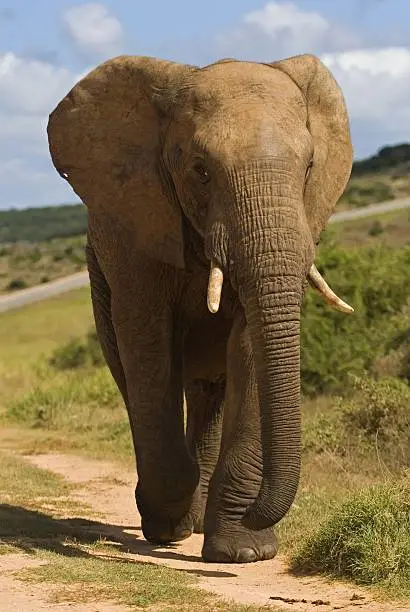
(109, 490)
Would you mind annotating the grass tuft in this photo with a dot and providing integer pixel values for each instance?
(365, 539)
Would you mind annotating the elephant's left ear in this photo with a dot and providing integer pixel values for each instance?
(328, 124)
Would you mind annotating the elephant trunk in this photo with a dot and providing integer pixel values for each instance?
(272, 243)
(273, 316)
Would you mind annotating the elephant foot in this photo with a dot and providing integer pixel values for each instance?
(240, 546)
(165, 530)
(165, 522)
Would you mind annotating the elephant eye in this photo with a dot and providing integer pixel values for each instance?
(202, 172)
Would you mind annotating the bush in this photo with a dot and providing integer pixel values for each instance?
(372, 427)
(376, 282)
(78, 353)
(376, 228)
(16, 283)
(366, 539)
(379, 409)
(71, 355)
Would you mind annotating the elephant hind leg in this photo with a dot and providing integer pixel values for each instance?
(204, 400)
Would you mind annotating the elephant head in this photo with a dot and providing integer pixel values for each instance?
(255, 157)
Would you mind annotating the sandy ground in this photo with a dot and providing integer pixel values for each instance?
(110, 492)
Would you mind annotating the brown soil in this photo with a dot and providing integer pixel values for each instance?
(110, 493)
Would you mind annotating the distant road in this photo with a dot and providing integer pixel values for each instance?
(43, 291)
(372, 209)
(47, 290)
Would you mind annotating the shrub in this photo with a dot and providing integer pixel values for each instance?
(365, 539)
(324, 432)
(376, 228)
(78, 353)
(379, 408)
(333, 345)
(370, 427)
(16, 283)
(71, 355)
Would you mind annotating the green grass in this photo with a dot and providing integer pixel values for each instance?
(22, 483)
(80, 411)
(29, 335)
(365, 539)
(128, 582)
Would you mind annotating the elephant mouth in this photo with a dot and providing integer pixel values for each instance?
(315, 279)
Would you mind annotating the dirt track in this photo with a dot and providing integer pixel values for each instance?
(110, 492)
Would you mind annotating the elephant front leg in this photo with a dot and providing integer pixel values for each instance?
(236, 481)
(204, 429)
(149, 346)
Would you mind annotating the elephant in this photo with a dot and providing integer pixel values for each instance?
(207, 189)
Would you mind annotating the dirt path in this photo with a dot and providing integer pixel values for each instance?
(110, 492)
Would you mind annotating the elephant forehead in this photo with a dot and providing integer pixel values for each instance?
(254, 130)
(226, 84)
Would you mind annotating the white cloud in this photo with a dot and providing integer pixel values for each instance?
(281, 29)
(376, 85)
(275, 18)
(94, 30)
(31, 86)
(29, 91)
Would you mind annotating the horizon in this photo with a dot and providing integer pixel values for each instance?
(46, 48)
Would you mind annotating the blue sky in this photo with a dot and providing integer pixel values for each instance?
(46, 45)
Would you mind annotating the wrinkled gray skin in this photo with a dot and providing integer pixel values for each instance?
(179, 166)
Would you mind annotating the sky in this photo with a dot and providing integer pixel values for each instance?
(46, 46)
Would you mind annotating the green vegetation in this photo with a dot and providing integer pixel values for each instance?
(374, 421)
(78, 353)
(365, 539)
(44, 223)
(21, 483)
(376, 282)
(77, 411)
(387, 158)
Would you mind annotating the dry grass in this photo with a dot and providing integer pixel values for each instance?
(390, 229)
(373, 188)
(24, 264)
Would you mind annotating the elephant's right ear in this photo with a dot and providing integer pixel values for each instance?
(105, 140)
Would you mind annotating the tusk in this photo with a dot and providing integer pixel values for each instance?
(318, 283)
(216, 279)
